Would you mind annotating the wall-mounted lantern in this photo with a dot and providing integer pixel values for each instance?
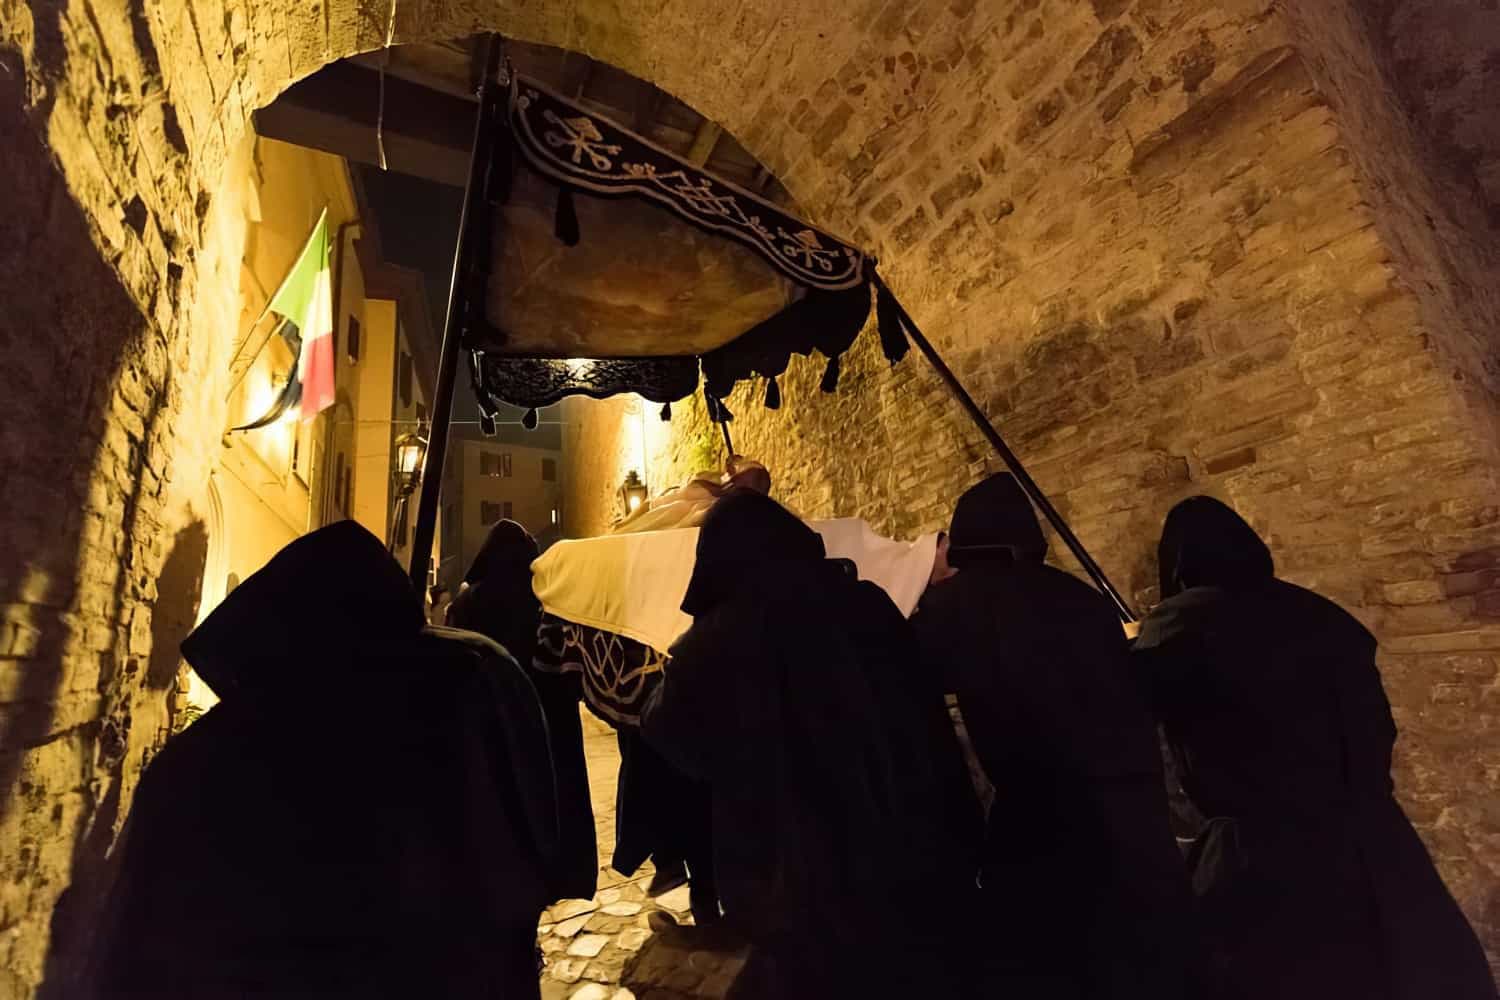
(410, 449)
(632, 492)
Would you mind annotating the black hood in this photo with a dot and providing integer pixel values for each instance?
(506, 555)
(318, 599)
(1204, 543)
(994, 521)
(745, 535)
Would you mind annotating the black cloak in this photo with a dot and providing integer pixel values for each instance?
(1273, 704)
(1089, 893)
(499, 603)
(843, 817)
(368, 812)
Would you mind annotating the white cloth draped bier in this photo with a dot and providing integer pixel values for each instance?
(632, 584)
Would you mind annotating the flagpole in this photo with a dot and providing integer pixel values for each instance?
(453, 324)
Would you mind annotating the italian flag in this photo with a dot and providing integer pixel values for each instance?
(305, 298)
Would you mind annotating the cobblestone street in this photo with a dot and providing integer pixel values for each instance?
(605, 948)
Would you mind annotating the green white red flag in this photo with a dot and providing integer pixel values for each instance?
(305, 298)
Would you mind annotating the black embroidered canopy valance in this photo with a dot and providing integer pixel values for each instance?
(612, 265)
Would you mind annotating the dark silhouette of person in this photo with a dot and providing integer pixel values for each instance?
(1085, 892)
(839, 793)
(367, 812)
(498, 602)
(1272, 702)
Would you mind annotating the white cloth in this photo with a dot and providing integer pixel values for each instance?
(632, 584)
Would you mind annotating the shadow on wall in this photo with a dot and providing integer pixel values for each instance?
(85, 385)
(179, 589)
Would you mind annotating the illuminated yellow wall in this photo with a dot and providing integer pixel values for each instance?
(273, 484)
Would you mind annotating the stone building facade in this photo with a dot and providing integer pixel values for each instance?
(1238, 247)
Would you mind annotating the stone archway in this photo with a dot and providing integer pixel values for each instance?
(1161, 240)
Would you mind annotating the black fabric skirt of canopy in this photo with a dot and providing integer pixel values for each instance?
(590, 261)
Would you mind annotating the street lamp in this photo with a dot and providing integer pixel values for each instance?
(632, 492)
(410, 449)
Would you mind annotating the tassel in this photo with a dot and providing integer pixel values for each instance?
(717, 412)
(888, 316)
(487, 423)
(830, 381)
(566, 224)
(666, 411)
(773, 394)
(529, 421)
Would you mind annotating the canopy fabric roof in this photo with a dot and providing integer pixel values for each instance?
(613, 265)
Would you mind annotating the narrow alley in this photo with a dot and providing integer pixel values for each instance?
(605, 948)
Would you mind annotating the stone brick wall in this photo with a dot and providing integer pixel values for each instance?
(95, 567)
(1445, 60)
(1148, 233)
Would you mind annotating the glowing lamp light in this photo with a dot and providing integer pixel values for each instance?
(410, 449)
(632, 492)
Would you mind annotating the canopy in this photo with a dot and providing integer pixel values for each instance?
(613, 265)
(692, 275)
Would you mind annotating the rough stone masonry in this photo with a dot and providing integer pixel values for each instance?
(1173, 246)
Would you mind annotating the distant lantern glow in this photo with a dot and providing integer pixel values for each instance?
(409, 451)
(554, 515)
(632, 492)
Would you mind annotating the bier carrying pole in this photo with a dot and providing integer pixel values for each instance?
(471, 216)
(1023, 478)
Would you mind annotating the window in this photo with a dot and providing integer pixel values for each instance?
(421, 418)
(403, 377)
(339, 482)
(494, 464)
(507, 511)
(450, 522)
(489, 512)
(353, 340)
(344, 507)
(549, 470)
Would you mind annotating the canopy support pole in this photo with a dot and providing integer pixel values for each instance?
(716, 408)
(453, 323)
(956, 389)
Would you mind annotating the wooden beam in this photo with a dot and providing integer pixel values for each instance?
(412, 72)
(647, 100)
(427, 133)
(704, 142)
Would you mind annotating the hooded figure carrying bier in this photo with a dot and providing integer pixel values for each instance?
(1274, 707)
(1086, 892)
(841, 808)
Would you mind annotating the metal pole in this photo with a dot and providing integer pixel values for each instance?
(955, 387)
(716, 408)
(447, 374)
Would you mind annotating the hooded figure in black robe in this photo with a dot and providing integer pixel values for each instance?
(499, 602)
(367, 812)
(844, 823)
(1086, 892)
(1273, 704)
